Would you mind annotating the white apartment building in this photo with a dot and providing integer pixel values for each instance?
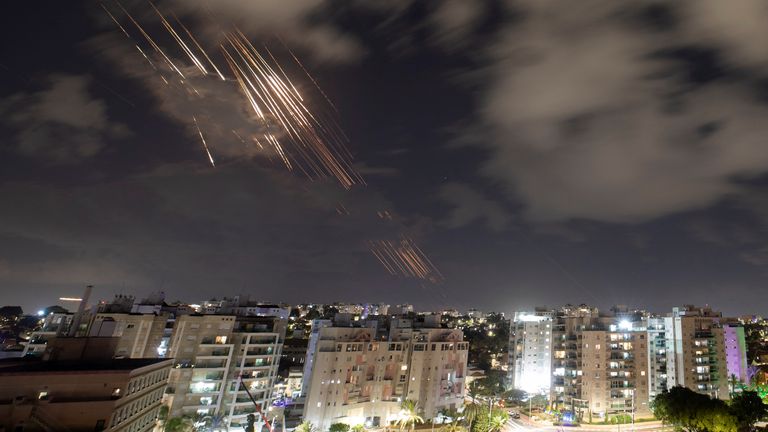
(218, 357)
(530, 352)
(356, 379)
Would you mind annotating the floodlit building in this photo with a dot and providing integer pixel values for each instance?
(218, 357)
(356, 378)
(530, 351)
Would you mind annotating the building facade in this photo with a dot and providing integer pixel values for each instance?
(530, 352)
(357, 378)
(93, 394)
(224, 365)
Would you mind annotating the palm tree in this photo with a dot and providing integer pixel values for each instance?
(453, 427)
(409, 415)
(493, 420)
(497, 420)
(306, 427)
(472, 412)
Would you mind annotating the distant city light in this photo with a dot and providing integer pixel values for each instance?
(625, 325)
(40, 312)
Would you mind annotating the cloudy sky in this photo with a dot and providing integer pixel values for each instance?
(539, 151)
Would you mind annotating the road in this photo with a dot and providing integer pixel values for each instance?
(521, 425)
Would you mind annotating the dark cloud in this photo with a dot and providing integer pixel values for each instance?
(577, 110)
(469, 205)
(61, 123)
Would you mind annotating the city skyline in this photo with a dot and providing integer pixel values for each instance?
(514, 153)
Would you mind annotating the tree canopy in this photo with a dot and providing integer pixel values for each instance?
(685, 409)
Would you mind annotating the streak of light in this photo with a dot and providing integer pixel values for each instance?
(72, 299)
(117, 23)
(199, 47)
(150, 40)
(179, 40)
(202, 139)
(404, 258)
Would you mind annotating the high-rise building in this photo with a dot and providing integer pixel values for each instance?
(657, 356)
(356, 377)
(614, 368)
(218, 357)
(530, 351)
(704, 350)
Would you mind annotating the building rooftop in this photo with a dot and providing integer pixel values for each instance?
(35, 365)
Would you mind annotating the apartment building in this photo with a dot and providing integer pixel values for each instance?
(530, 351)
(53, 325)
(139, 335)
(657, 356)
(704, 350)
(357, 378)
(219, 360)
(80, 387)
(614, 369)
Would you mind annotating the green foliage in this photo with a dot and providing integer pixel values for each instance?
(690, 411)
(162, 413)
(492, 420)
(338, 427)
(620, 419)
(748, 408)
(305, 427)
(453, 427)
(516, 396)
(409, 415)
(179, 424)
(358, 428)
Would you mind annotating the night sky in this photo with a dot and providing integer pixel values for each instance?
(540, 152)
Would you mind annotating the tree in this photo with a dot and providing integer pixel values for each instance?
(492, 420)
(693, 412)
(516, 396)
(179, 424)
(358, 428)
(748, 409)
(472, 411)
(305, 427)
(453, 427)
(409, 415)
(338, 427)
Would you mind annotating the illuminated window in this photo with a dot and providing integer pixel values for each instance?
(221, 339)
